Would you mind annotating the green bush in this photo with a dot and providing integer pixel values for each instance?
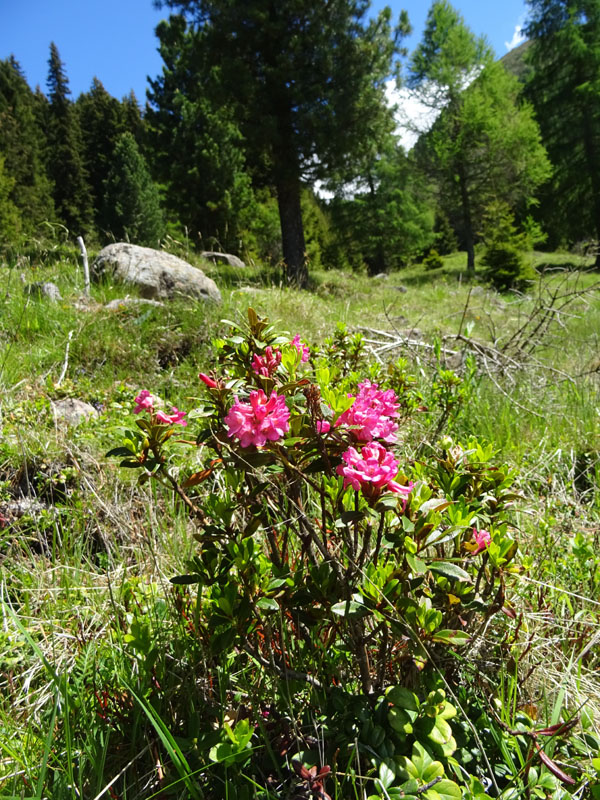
(433, 260)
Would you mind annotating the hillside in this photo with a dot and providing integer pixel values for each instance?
(195, 633)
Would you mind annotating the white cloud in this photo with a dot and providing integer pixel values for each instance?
(518, 36)
(412, 116)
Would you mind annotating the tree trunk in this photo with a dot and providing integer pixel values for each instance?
(292, 231)
(467, 219)
(591, 157)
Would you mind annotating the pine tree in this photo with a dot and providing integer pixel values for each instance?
(72, 194)
(565, 90)
(197, 148)
(22, 145)
(132, 201)
(307, 81)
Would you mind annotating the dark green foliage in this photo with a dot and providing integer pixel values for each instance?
(132, 202)
(485, 145)
(9, 214)
(307, 82)
(103, 119)
(444, 236)
(394, 219)
(22, 147)
(564, 88)
(72, 194)
(433, 260)
(504, 258)
(197, 145)
(507, 268)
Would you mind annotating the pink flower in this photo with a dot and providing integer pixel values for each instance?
(176, 418)
(208, 380)
(267, 364)
(258, 421)
(373, 411)
(301, 347)
(482, 540)
(373, 470)
(323, 426)
(144, 402)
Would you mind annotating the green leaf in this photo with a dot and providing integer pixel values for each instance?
(418, 566)
(451, 637)
(435, 504)
(267, 604)
(386, 775)
(445, 790)
(119, 451)
(131, 463)
(403, 698)
(450, 570)
(400, 720)
(185, 580)
(349, 608)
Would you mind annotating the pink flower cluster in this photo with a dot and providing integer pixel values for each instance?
(482, 540)
(373, 470)
(145, 402)
(267, 364)
(260, 421)
(372, 414)
(301, 348)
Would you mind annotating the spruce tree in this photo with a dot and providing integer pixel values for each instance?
(22, 146)
(72, 193)
(131, 200)
(565, 90)
(102, 119)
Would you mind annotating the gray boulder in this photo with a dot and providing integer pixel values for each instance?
(157, 275)
(72, 411)
(222, 258)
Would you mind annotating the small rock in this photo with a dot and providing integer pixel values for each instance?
(25, 506)
(223, 258)
(116, 305)
(401, 289)
(72, 411)
(40, 289)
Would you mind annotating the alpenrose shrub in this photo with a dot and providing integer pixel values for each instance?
(341, 572)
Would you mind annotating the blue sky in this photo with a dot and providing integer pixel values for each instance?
(114, 39)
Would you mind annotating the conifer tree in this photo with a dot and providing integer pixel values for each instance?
(72, 194)
(131, 200)
(22, 146)
(9, 213)
(565, 89)
(485, 145)
(102, 119)
(307, 81)
(196, 143)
